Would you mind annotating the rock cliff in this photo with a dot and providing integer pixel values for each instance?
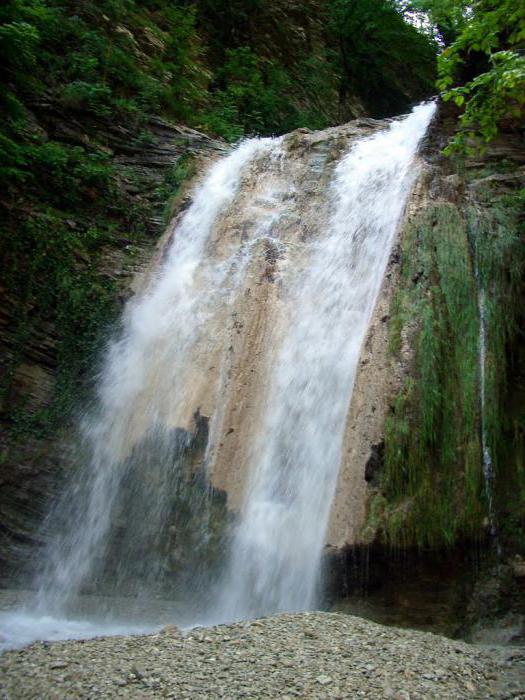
(367, 508)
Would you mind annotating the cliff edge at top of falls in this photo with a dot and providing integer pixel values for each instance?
(309, 655)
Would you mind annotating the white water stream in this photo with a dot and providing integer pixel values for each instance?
(157, 372)
(488, 467)
(142, 389)
(275, 560)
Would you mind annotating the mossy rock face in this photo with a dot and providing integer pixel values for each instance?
(432, 489)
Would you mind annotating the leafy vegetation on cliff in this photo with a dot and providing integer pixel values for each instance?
(492, 43)
(376, 48)
(482, 65)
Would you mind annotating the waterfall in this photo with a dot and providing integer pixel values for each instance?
(483, 325)
(488, 467)
(277, 546)
(231, 377)
(144, 396)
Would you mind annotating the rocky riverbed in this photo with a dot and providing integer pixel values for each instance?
(308, 655)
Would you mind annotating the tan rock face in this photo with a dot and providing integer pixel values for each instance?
(258, 245)
(379, 378)
(272, 217)
(253, 325)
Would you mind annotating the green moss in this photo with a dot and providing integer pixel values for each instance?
(51, 270)
(377, 505)
(395, 326)
(170, 191)
(433, 478)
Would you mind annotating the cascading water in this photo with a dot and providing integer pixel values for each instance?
(234, 368)
(487, 459)
(483, 339)
(133, 448)
(488, 467)
(145, 401)
(275, 561)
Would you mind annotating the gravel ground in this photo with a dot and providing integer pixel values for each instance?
(307, 655)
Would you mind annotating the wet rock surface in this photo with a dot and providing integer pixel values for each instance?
(308, 655)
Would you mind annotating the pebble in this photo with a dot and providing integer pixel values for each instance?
(323, 680)
(58, 664)
(120, 682)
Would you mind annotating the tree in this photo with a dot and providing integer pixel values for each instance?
(385, 60)
(442, 19)
(483, 71)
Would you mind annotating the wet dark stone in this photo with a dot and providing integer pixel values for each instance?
(375, 463)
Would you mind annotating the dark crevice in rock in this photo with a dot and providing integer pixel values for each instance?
(375, 464)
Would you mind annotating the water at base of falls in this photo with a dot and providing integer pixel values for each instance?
(20, 628)
(21, 622)
(255, 318)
